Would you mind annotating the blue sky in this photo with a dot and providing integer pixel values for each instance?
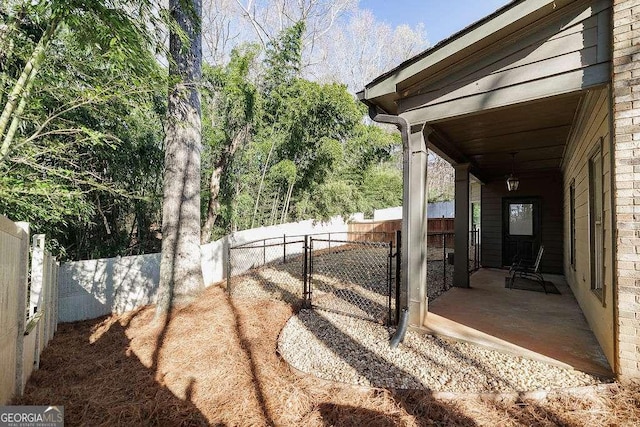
(440, 18)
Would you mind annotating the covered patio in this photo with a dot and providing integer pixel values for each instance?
(525, 93)
(546, 327)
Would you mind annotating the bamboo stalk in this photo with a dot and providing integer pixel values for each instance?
(19, 94)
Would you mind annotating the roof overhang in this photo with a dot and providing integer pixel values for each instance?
(512, 82)
(386, 89)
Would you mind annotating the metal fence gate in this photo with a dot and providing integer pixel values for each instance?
(355, 274)
(355, 278)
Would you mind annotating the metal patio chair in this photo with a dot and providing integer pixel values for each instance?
(527, 269)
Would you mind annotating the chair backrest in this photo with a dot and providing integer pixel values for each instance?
(536, 266)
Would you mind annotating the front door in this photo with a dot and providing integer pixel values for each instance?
(520, 228)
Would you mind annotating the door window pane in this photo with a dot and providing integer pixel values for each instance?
(521, 219)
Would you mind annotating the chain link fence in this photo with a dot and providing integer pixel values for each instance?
(353, 278)
(278, 267)
(440, 258)
(268, 268)
(347, 272)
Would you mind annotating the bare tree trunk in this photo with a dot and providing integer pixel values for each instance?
(234, 203)
(180, 265)
(285, 208)
(264, 172)
(213, 207)
(274, 208)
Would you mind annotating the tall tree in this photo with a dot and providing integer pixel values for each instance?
(180, 265)
(369, 47)
(230, 103)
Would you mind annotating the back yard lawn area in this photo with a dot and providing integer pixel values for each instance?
(215, 362)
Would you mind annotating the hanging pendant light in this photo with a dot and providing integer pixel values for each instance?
(512, 182)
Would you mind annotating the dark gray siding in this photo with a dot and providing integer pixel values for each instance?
(548, 188)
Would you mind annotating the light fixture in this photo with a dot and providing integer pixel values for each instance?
(512, 182)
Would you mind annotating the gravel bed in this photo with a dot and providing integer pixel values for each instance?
(349, 350)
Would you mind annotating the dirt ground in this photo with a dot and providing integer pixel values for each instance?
(214, 362)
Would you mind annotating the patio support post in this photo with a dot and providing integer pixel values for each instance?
(414, 257)
(413, 277)
(461, 226)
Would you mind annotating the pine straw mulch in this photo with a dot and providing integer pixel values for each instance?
(214, 362)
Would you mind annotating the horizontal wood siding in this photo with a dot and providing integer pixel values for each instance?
(592, 126)
(548, 188)
(568, 44)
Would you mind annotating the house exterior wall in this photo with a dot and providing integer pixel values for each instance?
(591, 129)
(626, 177)
(548, 188)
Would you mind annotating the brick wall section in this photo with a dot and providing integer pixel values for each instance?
(626, 107)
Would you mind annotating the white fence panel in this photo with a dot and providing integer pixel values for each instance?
(94, 288)
(23, 305)
(14, 257)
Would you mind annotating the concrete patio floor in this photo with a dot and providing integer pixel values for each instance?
(547, 327)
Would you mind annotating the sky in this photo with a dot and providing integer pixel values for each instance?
(440, 18)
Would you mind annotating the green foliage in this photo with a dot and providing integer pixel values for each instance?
(381, 187)
(231, 111)
(84, 166)
(284, 171)
(230, 99)
(283, 60)
(86, 163)
(309, 155)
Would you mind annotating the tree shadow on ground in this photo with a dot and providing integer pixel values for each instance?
(90, 370)
(420, 405)
(427, 412)
(247, 348)
(334, 414)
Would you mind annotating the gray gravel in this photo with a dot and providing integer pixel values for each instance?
(349, 350)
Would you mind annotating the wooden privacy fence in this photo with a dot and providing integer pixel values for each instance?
(28, 305)
(374, 231)
(385, 231)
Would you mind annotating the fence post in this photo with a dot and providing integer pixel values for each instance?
(284, 248)
(389, 262)
(476, 247)
(398, 273)
(22, 306)
(228, 244)
(444, 259)
(48, 311)
(45, 302)
(56, 265)
(305, 278)
(37, 273)
(36, 294)
(264, 251)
